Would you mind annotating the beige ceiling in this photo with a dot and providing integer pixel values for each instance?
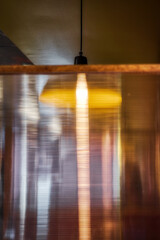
(47, 31)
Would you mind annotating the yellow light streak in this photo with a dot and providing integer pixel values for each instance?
(82, 130)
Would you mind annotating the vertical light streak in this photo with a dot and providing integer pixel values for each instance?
(119, 146)
(157, 152)
(1, 130)
(82, 130)
(23, 186)
(117, 164)
(1, 90)
(43, 201)
(111, 180)
(106, 172)
(120, 168)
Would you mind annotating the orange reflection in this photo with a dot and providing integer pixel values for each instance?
(157, 152)
(106, 172)
(111, 174)
(82, 129)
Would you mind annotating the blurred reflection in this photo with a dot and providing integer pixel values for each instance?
(82, 130)
(81, 170)
(111, 164)
(157, 150)
(23, 147)
(28, 102)
(140, 200)
(1, 155)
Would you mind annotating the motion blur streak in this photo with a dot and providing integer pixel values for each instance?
(82, 129)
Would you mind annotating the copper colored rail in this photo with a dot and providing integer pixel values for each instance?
(33, 69)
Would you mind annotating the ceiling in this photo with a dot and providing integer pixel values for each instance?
(115, 32)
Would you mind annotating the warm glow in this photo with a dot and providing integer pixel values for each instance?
(97, 98)
(82, 91)
(82, 130)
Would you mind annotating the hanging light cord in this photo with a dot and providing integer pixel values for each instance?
(81, 59)
(81, 29)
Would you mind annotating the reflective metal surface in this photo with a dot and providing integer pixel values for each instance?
(77, 166)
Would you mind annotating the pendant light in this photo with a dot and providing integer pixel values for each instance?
(81, 59)
(67, 98)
